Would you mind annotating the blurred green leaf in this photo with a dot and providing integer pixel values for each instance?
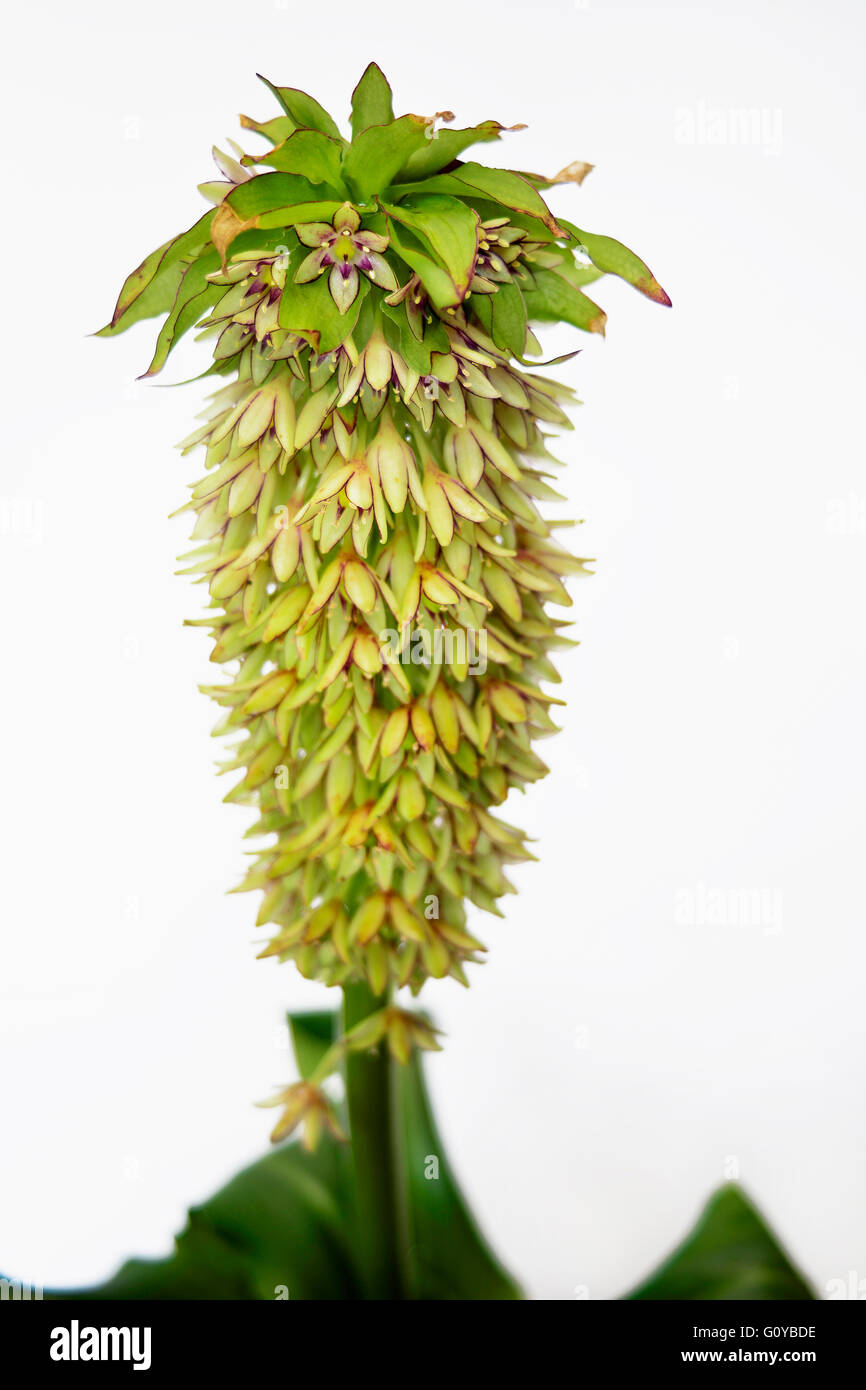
(287, 1221)
(312, 1034)
(730, 1254)
(279, 1223)
(449, 1259)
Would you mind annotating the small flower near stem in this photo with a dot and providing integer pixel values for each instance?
(304, 1104)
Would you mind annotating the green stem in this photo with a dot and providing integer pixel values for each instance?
(374, 1126)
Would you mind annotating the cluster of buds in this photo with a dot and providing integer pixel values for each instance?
(305, 1104)
(368, 513)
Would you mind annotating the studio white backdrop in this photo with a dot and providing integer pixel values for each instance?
(675, 996)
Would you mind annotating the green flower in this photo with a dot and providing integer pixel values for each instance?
(368, 522)
(346, 253)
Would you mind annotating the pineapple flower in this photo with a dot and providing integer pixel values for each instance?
(369, 517)
(347, 253)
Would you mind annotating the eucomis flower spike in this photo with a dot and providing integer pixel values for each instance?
(368, 523)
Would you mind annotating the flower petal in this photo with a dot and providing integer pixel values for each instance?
(314, 233)
(347, 218)
(343, 284)
(371, 241)
(379, 271)
(311, 266)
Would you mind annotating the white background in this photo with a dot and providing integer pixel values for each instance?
(611, 1063)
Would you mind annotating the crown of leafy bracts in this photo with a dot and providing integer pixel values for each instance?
(373, 466)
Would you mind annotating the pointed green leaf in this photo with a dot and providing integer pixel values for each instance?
(554, 299)
(450, 1258)
(304, 110)
(612, 258)
(371, 100)
(311, 154)
(418, 255)
(730, 1254)
(511, 191)
(508, 188)
(312, 1034)
(445, 145)
(275, 130)
(378, 153)
(281, 1223)
(195, 295)
(447, 226)
(507, 324)
(151, 287)
(401, 338)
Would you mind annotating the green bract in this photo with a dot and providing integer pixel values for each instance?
(379, 570)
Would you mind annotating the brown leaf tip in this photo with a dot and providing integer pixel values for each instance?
(653, 290)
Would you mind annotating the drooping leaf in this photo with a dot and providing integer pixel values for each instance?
(440, 285)
(730, 1254)
(444, 146)
(379, 152)
(195, 295)
(504, 315)
(502, 186)
(304, 110)
(371, 100)
(151, 287)
(447, 226)
(612, 258)
(553, 298)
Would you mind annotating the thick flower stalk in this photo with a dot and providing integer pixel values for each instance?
(368, 525)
